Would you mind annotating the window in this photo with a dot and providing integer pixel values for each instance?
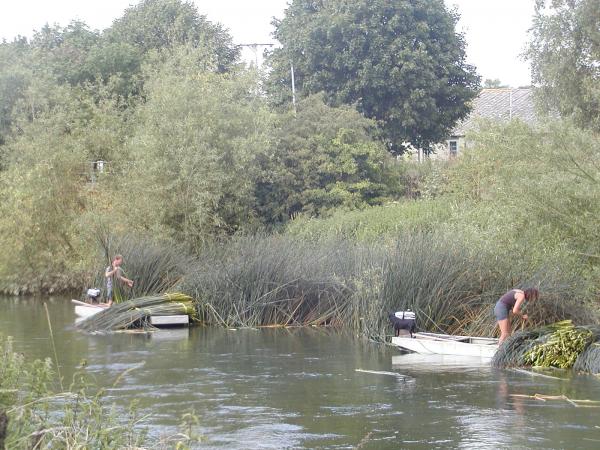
(453, 148)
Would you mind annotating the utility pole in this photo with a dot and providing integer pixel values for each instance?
(293, 88)
(254, 47)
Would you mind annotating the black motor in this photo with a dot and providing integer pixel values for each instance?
(403, 320)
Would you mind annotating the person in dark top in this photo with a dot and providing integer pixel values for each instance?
(512, 300)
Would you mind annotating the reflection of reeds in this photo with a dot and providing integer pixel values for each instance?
(285, 281)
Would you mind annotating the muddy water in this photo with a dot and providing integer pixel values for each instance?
(301, 388)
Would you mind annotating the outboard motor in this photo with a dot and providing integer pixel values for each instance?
(404, 321)
(93, 294)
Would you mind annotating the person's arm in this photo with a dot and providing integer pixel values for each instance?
(520, 297)
(125, 280)
(110, 273)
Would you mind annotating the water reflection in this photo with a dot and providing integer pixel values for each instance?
(301, 388)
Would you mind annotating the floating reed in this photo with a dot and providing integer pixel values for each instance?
(137, 312)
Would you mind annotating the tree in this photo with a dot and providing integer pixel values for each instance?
(193, 154)
(493, 84)
(64, 51)
(401, 62)
(565, 58)
(15, 76)
(321, 159)
(166, 24)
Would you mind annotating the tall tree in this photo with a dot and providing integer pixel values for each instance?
(322, 158)
(194, 153)
(565, 58)
(15, 76)
(165, 24)
(401, 62)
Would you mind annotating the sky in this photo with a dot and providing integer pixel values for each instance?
(495, 30)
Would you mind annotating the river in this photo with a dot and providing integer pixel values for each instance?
(300, 388)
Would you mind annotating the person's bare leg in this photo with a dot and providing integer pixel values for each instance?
(504, 325)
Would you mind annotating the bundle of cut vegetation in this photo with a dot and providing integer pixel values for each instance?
(561, 345)
(154, 266)
(589, 359)
(136, 313)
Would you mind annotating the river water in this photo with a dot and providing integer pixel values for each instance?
(309, 388)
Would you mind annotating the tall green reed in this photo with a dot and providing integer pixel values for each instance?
(286, 280)
(154, 266)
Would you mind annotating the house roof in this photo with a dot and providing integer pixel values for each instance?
(501, 104)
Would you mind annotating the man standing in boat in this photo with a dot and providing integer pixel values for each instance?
(112, 273)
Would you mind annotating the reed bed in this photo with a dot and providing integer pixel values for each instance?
(154, 266)
(135, 313)
(289, 281)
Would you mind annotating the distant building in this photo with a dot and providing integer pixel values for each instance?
(502, 104)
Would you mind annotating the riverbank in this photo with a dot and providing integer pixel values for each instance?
(43, 285)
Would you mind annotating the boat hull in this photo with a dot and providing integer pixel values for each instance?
(87, 311)
(439, 344)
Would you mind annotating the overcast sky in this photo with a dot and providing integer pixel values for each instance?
(495, 30)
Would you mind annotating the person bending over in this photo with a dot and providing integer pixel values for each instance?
(512, 300)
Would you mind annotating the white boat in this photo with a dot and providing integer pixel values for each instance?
(83, 309)
(445, 344)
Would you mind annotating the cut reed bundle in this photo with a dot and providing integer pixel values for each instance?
(136, 312)
(560, 345)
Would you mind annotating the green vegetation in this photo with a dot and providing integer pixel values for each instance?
(564, 51)
(283, 280)
(151, 139)
(135, 313)
(402, 63)
(36, 412)
(559, 345)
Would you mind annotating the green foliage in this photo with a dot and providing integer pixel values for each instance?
(167, 24)
(565, 56)
(40, 417)
(560, 345)
(15, 76)
(154, 266)
(48, 184)
(320, 159)
(374, 223)
(493, 83)
(560, 348)
(194, 151)
(285, 280)
(135, 313)
(64, 51)
(401, 62)
(537, 185)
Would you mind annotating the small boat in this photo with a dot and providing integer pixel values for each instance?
(83, 309)
(445, 344)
